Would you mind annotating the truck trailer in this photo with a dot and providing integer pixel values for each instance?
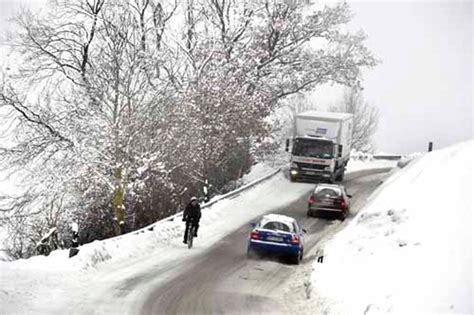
(321, 146)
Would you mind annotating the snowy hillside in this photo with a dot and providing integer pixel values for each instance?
(410, 250)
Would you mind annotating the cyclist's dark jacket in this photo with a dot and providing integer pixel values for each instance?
(192, 212)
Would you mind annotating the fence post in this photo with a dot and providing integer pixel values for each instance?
(430, 146)
(205, 191)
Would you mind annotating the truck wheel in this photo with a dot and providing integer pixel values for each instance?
(340, 177)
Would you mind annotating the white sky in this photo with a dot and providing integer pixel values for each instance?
(9, 7)
(423, 87)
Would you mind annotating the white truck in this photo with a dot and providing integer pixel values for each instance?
(321, 146)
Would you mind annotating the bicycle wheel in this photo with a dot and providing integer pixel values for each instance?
(190, 236)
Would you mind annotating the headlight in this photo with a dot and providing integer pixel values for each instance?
(294, 172)
(327, 168)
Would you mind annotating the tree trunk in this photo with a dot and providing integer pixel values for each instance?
(118, 201)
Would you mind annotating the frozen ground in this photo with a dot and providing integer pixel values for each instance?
(410, 250)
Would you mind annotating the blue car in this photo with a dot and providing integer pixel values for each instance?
(277, 234)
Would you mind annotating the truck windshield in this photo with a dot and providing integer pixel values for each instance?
(313, 148)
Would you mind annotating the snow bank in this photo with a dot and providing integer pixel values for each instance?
(258, 171)
(410, 250)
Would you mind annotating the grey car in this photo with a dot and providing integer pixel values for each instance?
(330, 198)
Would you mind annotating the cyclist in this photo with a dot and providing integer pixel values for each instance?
(192, 215)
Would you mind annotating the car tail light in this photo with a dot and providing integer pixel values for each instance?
(254, 235)
(341, 203)
(311, 200)
(295, 239)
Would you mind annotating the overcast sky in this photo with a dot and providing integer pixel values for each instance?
(423, 87)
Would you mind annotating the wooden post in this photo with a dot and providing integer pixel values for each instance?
(430, 146)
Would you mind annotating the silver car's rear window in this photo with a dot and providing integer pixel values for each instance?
(327, 192)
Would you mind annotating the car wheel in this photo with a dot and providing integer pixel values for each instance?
(295, 259)
(343, 215)
(340, 177)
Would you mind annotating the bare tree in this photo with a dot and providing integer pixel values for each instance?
(365, 118)
(293, 105)
(99, 91)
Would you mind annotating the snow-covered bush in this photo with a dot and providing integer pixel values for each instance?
(361, 156)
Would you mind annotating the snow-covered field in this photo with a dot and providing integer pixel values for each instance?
(410, 250)
(44, 284)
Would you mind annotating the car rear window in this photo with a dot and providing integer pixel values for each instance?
(276, 226)
(327, 192)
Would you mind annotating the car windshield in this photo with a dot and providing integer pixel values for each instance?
(276, 226)
(327, 192)
(313, 148)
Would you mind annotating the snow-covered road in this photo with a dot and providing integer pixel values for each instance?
(123, 275)
(220, 279)
(224, 281)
